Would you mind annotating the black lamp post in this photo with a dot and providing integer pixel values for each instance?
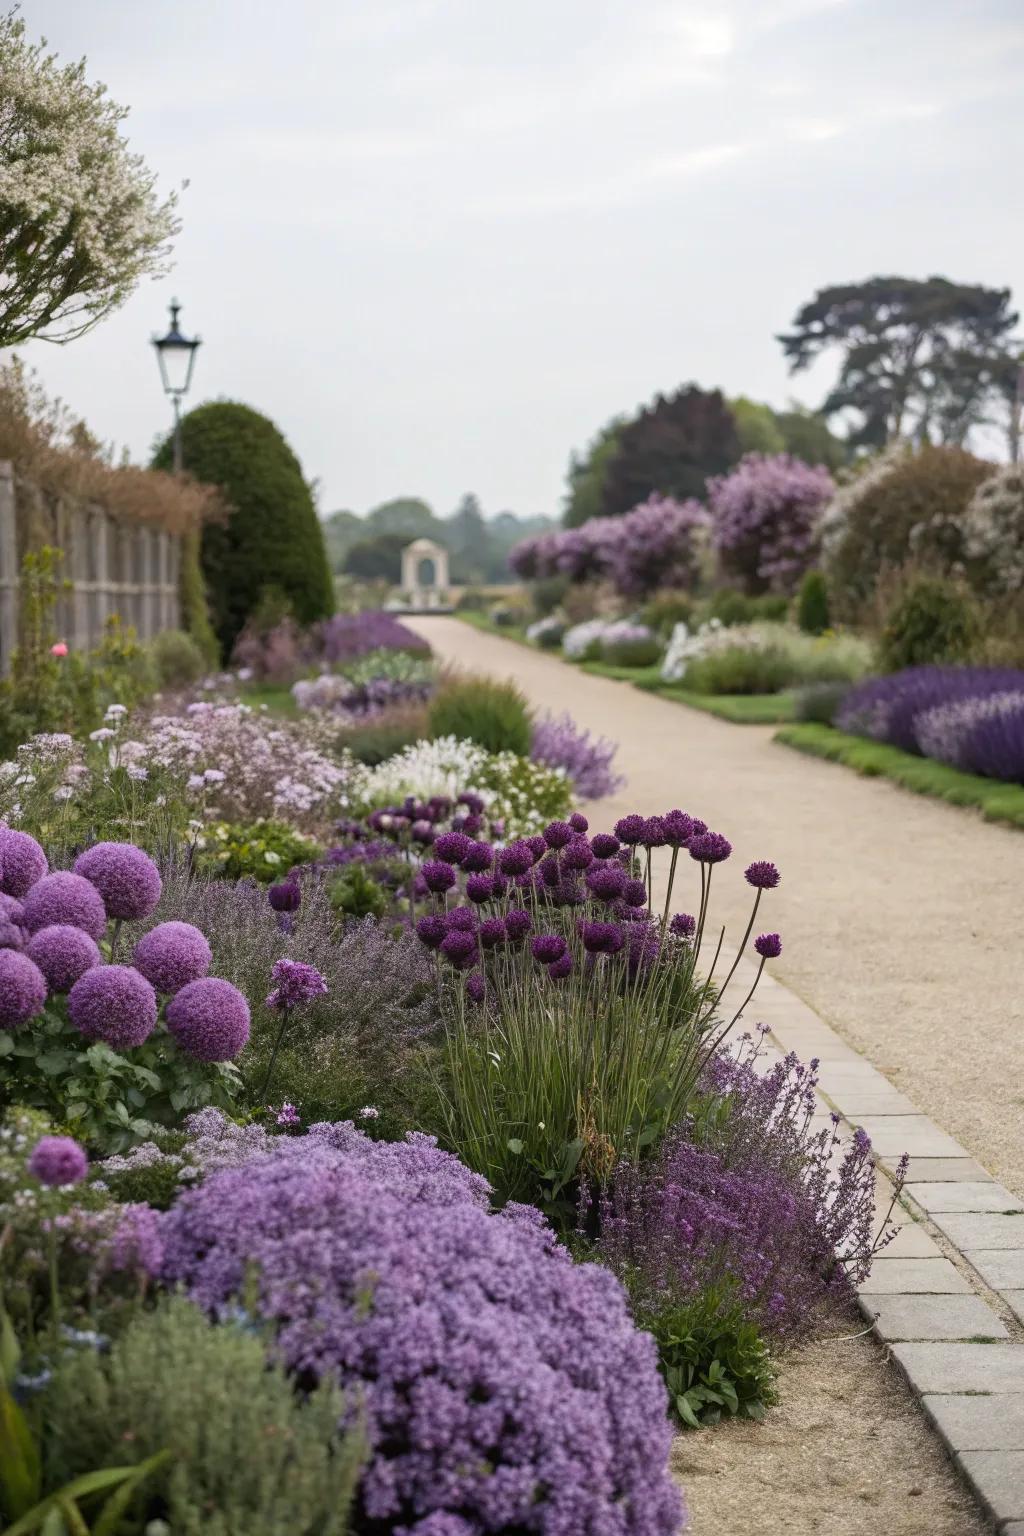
(176, 355)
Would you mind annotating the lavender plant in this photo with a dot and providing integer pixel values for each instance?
(558, 742)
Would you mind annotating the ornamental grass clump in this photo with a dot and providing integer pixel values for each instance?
(504, 1388)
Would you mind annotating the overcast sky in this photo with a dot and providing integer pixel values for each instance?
(440, 242)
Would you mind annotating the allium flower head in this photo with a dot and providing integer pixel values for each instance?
(768, 946)
(63, 954)
(538, 846)
(115, 1004)
(550, 871)
(683, 925)
(475, 988)
(438, 876)
(285, 896)
(762, 875)
(209, 1018)
(601, 938)
(679, 828)
(517, 925)
(459, 947)
(604, 845)
(629, 830)
(478, 857)
(546, 948)
(559, 969)
(558, 833)
(451, 847)
(422, 832)
(634, 893)
(472, 801)
(65, 898)
(516, 859)
(22, 989)
(579, 822)
(492, 932)
(58, 1161)
(12, 935)
(431, 929)
(171, 955)
(22, 862)
(606, 881)
(125, 877)
(296, 983)
(461, 917)
(577, 855)
(11, 909)
(655, 834)
(480, 888)
(709, 847)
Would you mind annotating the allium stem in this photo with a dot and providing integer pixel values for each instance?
(668, 893)
(273, 1055)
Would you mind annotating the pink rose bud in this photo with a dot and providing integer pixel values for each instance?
(60, 649)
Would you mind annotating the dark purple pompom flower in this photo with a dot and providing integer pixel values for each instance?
(209, 1018)
(431, 929)
(115, 1004)
(560, 968)
(65, 898)
(679, 828)
(459, 947)
(768, 946)
(285, 896)
(171, 955)
(422, 832)
(492, 932)
(517, 925)
(471, 825)
(546, 948)
(634, 893)
(550, 873)
(461, 917)
(295, 983)
(480, 888)
(22, 862)
(558, 833)
(655, 835)
(438, 876)
(450, 846)
(709, 847)
(579, 822)
(475, 988)
(601, 938)
(478, 857)
(606, 881)
(472, 801)
(58, 1161)
(604, 845)
(630, 830)
(125, 877)
(22, 989)
(516, 859)
(63, 954)
(762, 875)
(538, 846)
(683, 925)
(578, 854)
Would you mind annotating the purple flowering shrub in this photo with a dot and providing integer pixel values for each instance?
(969, 717)
(559, 742)
(767, 512)
(109, 1046)
(504, 1388)
(657, 544)
(348, 635)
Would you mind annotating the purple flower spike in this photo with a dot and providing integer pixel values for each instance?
(604, 845)
(561, 968)
(438, 876)
(58, 1161)
(478, 857)
(475, 988)
(768, 946)
(517, 925)
(557, 834)
(431, 929)
(709, 847)
(546, 948)
(630, 830)
(762, 875)
(683, 925)
(492, 932)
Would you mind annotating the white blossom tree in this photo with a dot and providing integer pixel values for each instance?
(80, 218)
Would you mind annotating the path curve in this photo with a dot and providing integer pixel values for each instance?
(901, 916)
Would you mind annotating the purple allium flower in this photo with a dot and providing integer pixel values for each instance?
(559, 969)
(431, 929)
(285, 896)
(683, 925)
(606, 881)
(125, 877)
(451, 847)
(516, 859)
(461, 917)
(579, 822)
(58, 1161)
(557, 834)
(517, 925)
(679, 828)
(629, 830)
(478, 857)
(762, 875)
(475, 988)
(63, 954)
(11, 908)
(422, 832)
(578, 854)
(546, 948)
(655, 834)
(64, 898)
(709, 847)
(296, 983)
(550, 872)
(22, 989)
(698, 827)
(471, 825)
(492, 932)
(472, 801)
(115, 1004)
(12, 935)
(568, 892)
(538, 846)
(22, 862)
(459, 947)
(605, 846)
(438, 876)
(602, 938)
(288, 1115)
(171, 955)
(209, 1018)
(480, 888)
(634, 893)
(768, 946)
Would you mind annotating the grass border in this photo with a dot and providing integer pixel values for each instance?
(922, 775)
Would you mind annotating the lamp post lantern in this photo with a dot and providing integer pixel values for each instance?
(176, 355)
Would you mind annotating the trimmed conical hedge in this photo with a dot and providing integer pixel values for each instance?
(273, 537)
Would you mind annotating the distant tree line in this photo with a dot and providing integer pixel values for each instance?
(370, 547)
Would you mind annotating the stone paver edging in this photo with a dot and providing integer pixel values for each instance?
(947, 1295)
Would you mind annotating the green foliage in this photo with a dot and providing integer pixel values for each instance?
(195, 606)
(819, 702)
(738, 709)
(249, 1456)
(584, 497)
(376, 559)
(473, 600)
(641, 652)
(354, 892)
(715, 1364)
(730, 607)
(177, 658)
(933, 620)
(807, 435)
(666, 609)
(812, 613)
(547, 594)
(382, 737)
(756, 427)
(273, 534)
(265, 850)
(341, 531)
(739, 669)
(490, 712)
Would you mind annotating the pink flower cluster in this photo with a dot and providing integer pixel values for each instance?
(767, 514)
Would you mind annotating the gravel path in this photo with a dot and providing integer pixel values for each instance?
(901, 917)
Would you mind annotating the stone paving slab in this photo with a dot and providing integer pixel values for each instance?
(910, 1277)
(1015, 1301)
(999, 1478)
(987, 1368)
(965, 1195)
(1001, 1268)
(981, 1229)
(900, 1318)
(892, 1135)
(934, 1170)
(978, 1423)
(911, 1242)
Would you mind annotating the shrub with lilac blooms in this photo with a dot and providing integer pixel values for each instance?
(657, 544)
(504, 1387)
(346, 636)
(767, 513)
(558, 742)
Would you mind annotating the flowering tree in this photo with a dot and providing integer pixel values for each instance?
(80, 220)
(766, 517)
(657, 544)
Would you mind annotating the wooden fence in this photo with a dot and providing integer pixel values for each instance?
(111, 566)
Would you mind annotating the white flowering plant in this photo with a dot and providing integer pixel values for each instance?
(522, 794)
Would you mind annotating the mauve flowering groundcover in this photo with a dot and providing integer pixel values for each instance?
(969, 717)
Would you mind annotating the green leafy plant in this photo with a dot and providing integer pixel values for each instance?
(263, 850)
(812, 613)
(739, 669)
(355, 893)
(177, 658)
(490, 712)
(933, 619)
(715, 1363)
(384, 735)
(631, 652)
(667, 609)
(819, 701)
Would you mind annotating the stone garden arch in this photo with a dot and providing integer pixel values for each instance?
(425, 574)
